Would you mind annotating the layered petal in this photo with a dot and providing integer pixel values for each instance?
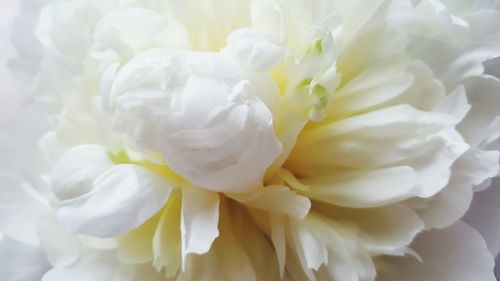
(20, 208)
(199, 221)
(101, 266)
(62, 248)
(388, 229)
(122, 198)
(167, 244)
(265, 199)
(364, 189)
(77, 168)
(482, 216)
(21, 262)
(455, 253)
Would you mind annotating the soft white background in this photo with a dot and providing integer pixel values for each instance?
(10, 90)
(484, 214)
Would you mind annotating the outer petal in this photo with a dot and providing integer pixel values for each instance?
(20, 207)
(483, 94)
(200, 217)
(483, 215)
(73, 174)
(21, 262)
(453, 62)
(61, 247)
(122, 198)
(447, 207)
(457, 253)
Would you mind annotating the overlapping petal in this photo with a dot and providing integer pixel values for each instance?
(121, 198)
(21, 262)
(455, 253)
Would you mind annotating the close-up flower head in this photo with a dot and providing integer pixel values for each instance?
(249, 140)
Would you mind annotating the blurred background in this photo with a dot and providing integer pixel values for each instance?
(11, 94)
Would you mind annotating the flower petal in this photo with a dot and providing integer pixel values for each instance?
(364, 189)
(122, 198)
(255, 50)
(483, 94)
(265, 198)
(279, 240)
(448, 206)
(135, 246)
(167, 237)
(483, 216)
(75, 171)
(311, 251)
(101, 266)
(340, 253)
(388, 229)
(456, 253)
(375, 85)
(21, 262)
(200, 217)
(61, 247)
(20, 208)
(373, 139)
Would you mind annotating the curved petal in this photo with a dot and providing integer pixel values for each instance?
(77, 168)
(456, 253)
(199, 221)
(265, 198)
(448, 206)
(101, 266)
(21, 262)
(20, 208)
(372, 139)
(229, 257)
(122, 198)
(61, 247)
(332, 246)
(483, 94)
(364, 189)
(255, 50)
(483, 215)
(167, 237)
(377, 84)
(385, 230)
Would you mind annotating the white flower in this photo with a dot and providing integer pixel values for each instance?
(252, 140)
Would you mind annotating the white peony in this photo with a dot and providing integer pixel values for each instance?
(252, 140)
